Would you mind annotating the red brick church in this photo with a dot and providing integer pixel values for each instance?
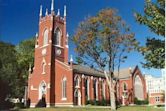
(63, 83)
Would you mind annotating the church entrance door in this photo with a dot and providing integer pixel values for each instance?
(77, 96)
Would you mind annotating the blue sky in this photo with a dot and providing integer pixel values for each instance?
(19, 20)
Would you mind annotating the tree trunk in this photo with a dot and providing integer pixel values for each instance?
(113, 102)
(112, 99)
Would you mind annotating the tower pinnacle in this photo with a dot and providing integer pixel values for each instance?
(40, 11)
(46, 12)
(71, 58)
(58, 12)
(52, 6)
(65, 11)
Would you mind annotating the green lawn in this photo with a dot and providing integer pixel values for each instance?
(128, 108)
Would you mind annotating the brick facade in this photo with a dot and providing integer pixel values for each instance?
(64, 84)
(156, 98)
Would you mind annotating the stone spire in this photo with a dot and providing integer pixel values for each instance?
(67, 35)
(52, 6)
(40, 11)
(71, 61)
(65, 11)
(36, 35)
(71, 58)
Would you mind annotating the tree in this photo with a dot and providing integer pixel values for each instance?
(8, 73)
(154, 18)
(14, 64)
(25, 58)
(102, 42)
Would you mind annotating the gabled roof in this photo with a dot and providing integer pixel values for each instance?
(124, 73)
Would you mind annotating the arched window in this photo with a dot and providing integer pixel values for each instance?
(125, 93)
(124, 87)
(95, 86)
(45, 40)
(86, 84)
(64, 87)
(57, 37)
(77, 81)
(138, 88)
(43, 66)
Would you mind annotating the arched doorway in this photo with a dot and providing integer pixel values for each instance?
(42, 95)
(138, 88)
(77, 96)
(42, 90)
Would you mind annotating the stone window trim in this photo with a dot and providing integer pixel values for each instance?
(77, 80)
(87, 86)
(44, 66)
(58, 40)
(95, 87)
(45, 36)
(124, 86)
(42, 89)
(103, 89)
(58, 46)
(157, 99)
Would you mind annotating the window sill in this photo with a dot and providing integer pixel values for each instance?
(58, 46)
(125, 91)
(64, 99)
(77, 86)
(43, 72)
(44, 46)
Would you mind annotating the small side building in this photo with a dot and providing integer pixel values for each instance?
(155, 89)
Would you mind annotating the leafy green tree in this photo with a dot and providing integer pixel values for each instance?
(154, 18)
(102, 42)
(8, 73)
(14, 64)
(25, 58)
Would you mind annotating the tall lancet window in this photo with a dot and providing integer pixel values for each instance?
(64, 87)
(95, 87)
(57, 37)
(124, 87)
(103, 89)
(45, 39)
(86, 84)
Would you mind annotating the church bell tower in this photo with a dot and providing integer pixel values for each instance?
(51, 46)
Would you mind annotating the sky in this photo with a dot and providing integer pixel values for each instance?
(20, 19)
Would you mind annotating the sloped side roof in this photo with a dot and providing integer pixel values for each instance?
(123, 73)
(87, 71)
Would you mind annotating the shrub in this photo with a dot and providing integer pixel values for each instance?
(4, 105)
(103, 102)
(96, 102)
(87, 102)
(19, 105)
(91, 102)
(160, 105)
(140, 102)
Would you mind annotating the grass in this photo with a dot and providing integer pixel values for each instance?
(126, 108)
